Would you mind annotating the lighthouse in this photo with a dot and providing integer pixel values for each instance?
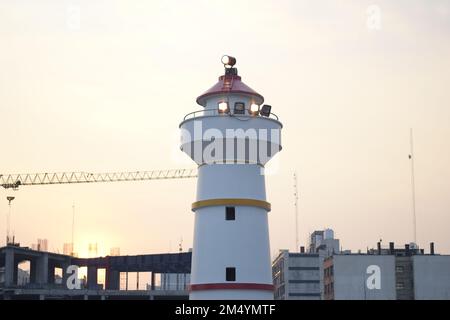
(231, 138)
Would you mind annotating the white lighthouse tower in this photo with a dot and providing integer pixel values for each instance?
(231, 139)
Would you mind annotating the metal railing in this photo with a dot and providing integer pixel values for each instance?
(215, 112)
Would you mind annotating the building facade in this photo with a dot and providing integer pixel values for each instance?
(296, 276)
(299, 275)
(388, 274)
(431, 277)
(359, 277)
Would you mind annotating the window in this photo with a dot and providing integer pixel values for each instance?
(230, 213)
(239, 108)
(230, 274)
(400, 269)
(400, 285)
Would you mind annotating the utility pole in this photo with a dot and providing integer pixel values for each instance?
(413, 185)
(180, 245)
(296, 211)
(8, 220)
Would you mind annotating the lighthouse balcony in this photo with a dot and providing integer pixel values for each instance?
(215, 112)
(209, 136)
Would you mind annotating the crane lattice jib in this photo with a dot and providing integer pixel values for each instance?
(15, 180)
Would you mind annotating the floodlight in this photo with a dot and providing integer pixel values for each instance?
(223, 107)
(228, 61)
(254, 109)
(265, 110)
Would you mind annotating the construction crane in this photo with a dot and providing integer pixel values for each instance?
(14, 181)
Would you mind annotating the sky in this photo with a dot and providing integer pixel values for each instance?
(102, 86)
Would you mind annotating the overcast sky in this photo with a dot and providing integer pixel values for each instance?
(102, 86)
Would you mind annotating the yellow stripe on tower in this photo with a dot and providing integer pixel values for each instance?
(231, 202)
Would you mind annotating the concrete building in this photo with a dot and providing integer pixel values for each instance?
(42, 265)
(324, 241)
(23, 277)
(431, 277)
(114, 251)
(346, 277)
(45, 282)
(92, 250)
(296, 276)
(299, 275)
(41, 245)
(68, 249)
(173, 281)
(405, 273)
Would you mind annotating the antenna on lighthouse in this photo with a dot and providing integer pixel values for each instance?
(296, 211)
(229, 62)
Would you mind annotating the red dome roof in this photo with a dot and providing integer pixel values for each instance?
(230, 83)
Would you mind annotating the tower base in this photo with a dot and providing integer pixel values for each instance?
(231, 295)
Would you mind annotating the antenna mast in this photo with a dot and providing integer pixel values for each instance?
(413, 185)
(180, 245)
(73, 228)
(296, 211)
